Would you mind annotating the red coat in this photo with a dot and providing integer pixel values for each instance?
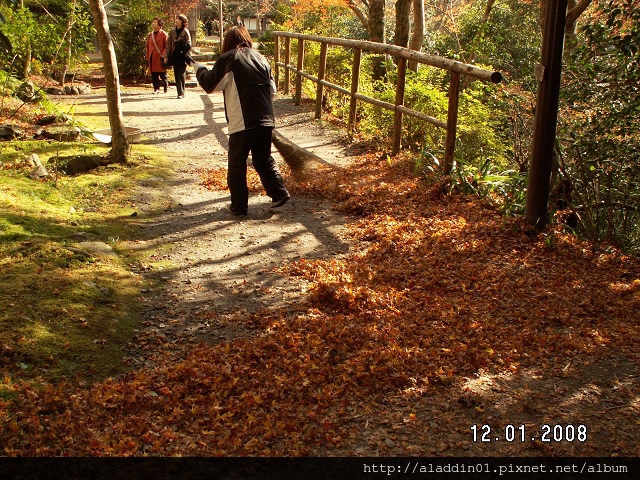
(153, 59)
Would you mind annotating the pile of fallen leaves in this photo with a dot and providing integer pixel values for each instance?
(440, 289)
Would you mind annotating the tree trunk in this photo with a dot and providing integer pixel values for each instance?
(575, 9)
(119, 147)
(26, 66)
(401, 36)
(221, 24)
(67, 62)
(68, 34)
(360, 14)
(417, 37)
(376, 20)
(258, 17)
(376, 31)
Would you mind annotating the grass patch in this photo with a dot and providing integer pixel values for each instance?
(65, 314)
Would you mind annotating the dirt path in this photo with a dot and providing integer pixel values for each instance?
(219, 266)
(210, 269)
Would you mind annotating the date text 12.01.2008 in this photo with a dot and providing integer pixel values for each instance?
(528, 433)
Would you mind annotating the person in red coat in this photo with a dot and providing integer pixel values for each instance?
(156, 51)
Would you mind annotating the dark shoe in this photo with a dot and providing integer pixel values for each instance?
(281, 202)
(237, 213)
(165, 89)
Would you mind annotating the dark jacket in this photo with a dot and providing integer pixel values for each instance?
(178, 46)
(245, 78)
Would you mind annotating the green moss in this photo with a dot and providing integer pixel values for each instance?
(64, 314)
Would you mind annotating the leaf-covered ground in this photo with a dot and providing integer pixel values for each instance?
(445, 316)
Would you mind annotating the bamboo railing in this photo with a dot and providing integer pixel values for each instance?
(403, 55)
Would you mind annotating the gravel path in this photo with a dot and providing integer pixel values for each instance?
(220, 267)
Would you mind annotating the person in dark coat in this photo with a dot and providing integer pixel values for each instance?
(244, 76)
(178, 47)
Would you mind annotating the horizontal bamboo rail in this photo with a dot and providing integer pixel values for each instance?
(403, 55)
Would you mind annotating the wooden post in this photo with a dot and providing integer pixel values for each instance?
(287, 62)
(355, 82)
(321, 71)
(546, 117)
(300, 67)
(276, 60)
(221, 20)
(452, 123)
(397, 117)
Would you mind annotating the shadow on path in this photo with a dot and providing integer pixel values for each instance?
(207, 265)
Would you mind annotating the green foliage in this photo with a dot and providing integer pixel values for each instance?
(477, 138)
(8, 83)
(509, 41)
(599, 130)
(41, 32)
(477, 129)
(503, 189)
(281, 15)
(266, 44)
(20, 26)
(598, 142)
(130, 35)
(5, 44)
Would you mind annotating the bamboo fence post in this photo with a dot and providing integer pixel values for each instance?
(276, 60)
(299, 69)
(355, 82)
(397, 117)
(452, 122)
(321, 72)
(287, 61)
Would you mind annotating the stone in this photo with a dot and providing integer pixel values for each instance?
(71, 90)
(47, 120)
(26, 92)
(39, 170)
(9, 132)
(61, 118)
(62, 133)
(100, 249)
(54, 91)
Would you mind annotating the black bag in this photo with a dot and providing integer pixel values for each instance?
(166, 62)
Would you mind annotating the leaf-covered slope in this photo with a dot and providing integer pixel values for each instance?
(442, 289)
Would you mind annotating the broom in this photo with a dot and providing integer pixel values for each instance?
(299, 159)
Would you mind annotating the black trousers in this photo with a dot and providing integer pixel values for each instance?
(180, 72)
(159, 79)
(258, 142)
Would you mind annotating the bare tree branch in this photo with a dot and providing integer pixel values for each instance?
(575, 12)
(360, 13)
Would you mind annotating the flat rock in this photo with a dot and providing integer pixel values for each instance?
(9, 132)
(98, 248)
(62, 133)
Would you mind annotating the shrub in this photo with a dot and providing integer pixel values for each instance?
(130, 35)
(600, 144)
